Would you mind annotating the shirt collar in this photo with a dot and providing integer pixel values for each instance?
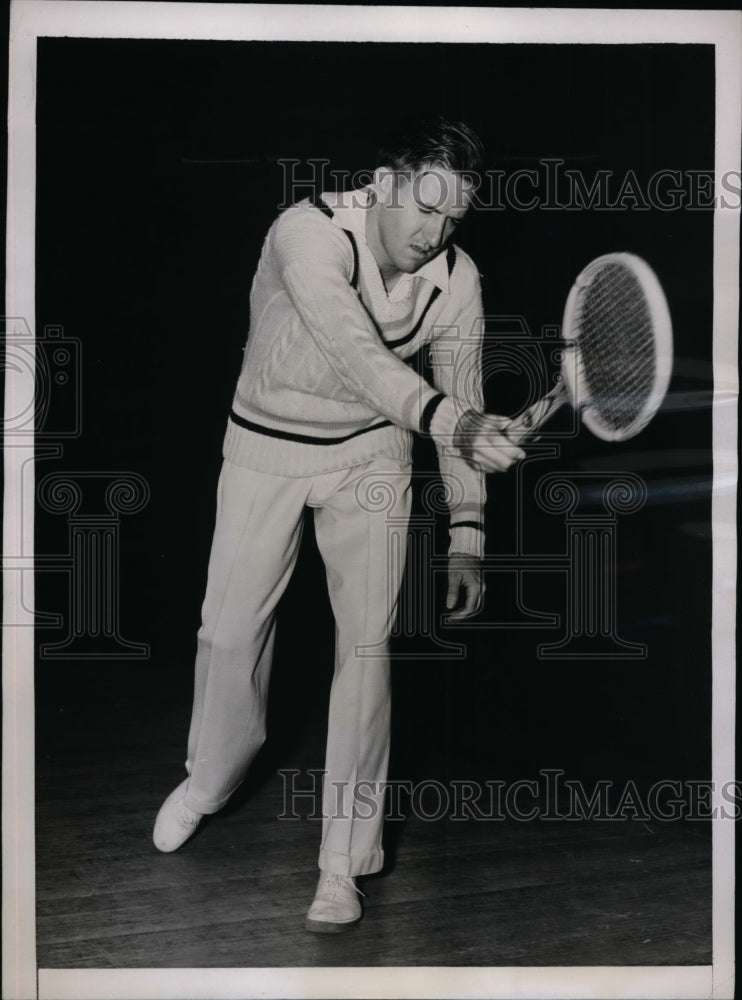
(349, 212)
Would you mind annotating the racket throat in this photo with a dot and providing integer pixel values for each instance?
(536, 415)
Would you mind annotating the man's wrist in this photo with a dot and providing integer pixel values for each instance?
(468, 428)
(466, 541)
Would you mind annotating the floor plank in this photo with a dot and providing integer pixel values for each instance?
(459, 893)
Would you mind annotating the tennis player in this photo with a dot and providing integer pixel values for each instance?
(348, 289)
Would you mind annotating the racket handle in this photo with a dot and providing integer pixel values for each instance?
(536, 415)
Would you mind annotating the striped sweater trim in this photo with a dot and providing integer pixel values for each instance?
(450, 252)
(401, 341)
(429, 412)
(326, 210)
(273, 432)
(295, 459)
(416, 328)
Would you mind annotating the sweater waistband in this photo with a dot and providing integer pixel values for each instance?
(284, 454)
(302, 438)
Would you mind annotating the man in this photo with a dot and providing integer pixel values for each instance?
(348, 288)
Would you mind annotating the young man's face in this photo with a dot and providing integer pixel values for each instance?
(414, 217)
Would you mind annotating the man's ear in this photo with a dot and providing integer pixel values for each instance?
(383, 184)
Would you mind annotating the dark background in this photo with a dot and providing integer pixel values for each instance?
(157, 179)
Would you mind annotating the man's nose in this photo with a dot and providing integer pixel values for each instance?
(434, 230)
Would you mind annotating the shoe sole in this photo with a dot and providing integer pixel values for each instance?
(168, 849)
(330, 926)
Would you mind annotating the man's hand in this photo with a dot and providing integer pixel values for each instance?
(482, 440)
(464, 573)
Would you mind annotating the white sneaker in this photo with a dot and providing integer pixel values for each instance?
(336, 905)
(175, 822)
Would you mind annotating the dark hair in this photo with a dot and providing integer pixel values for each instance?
(434, 141)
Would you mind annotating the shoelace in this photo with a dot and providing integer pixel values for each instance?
(333, 881)
(187, 816)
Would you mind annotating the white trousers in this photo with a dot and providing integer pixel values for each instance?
(361, 517)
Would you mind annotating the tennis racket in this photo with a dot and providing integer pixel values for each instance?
(617, 355)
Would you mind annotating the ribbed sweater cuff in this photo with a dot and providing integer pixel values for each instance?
(467, 540)
(429, 412)
(444, 421)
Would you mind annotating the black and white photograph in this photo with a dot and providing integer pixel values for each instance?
(370, 490)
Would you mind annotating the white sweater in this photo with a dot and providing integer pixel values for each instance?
(325, 383)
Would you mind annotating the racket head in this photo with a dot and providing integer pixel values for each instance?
(618, 326)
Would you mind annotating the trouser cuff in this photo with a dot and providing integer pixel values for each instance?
(203, 804)
(346, 864)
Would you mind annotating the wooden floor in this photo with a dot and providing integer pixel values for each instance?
(454, 893)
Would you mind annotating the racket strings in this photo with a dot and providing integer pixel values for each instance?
(616, 346)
